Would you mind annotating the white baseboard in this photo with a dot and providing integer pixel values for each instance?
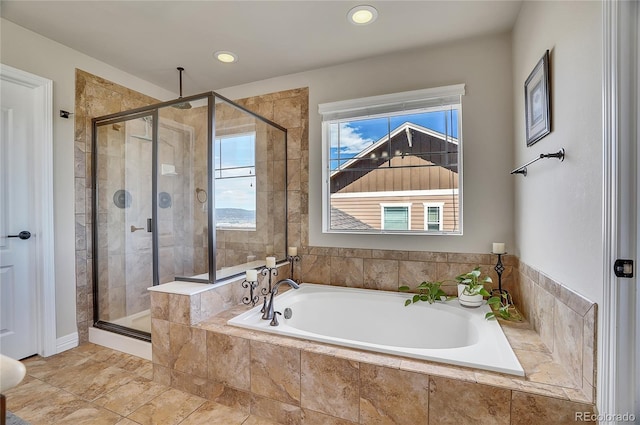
(132, 346)
(67, 342)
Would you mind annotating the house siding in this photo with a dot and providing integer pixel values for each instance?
(367, 209)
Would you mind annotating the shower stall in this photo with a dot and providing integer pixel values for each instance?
(192, 189)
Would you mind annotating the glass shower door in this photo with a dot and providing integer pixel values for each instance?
(124, 205)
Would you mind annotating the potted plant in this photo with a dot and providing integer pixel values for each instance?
(502, 307)
(427, 291)
(471, 291)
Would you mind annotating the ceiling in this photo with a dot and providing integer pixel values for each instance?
(150, 39)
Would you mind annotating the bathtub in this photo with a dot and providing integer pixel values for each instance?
(378, 321)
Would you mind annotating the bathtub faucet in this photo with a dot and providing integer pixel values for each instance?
(269, 312)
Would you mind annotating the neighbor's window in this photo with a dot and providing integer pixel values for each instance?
(235, 181)
(396, 217)
(385, 155)
(433, 216)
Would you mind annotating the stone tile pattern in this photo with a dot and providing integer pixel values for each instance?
(292, 381)
(565, 321)
(99, 386)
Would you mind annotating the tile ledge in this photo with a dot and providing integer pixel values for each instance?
(182, 288)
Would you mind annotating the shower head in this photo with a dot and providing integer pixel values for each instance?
(182, 105)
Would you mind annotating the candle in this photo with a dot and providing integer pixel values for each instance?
(498, 248)
(271, 262)
(293, 251)
(252, 275)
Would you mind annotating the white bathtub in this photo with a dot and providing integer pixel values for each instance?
(378, 321)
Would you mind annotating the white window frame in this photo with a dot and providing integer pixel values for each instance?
(440, 206)
(384, 105)
(395, 204)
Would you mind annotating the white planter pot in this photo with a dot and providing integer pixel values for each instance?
(469, 300)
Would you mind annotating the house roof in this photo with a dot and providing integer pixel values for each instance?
(408, 139)
(340, 220)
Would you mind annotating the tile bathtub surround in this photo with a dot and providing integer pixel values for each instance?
(99, 386)
(387, 270)
(293, 381)
(565, 321)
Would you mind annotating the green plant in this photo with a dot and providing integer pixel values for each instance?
(427, 291)
(474, 283)
(503, 307)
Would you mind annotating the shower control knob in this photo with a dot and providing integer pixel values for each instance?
(24, 235)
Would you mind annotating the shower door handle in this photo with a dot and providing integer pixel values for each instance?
(149, 225)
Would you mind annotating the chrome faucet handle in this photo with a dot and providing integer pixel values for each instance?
(274, 321)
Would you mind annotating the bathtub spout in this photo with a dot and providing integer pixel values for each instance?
(269, 311)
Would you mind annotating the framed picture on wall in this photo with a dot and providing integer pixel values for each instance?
(536, 101)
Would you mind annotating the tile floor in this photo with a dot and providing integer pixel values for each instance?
(94, 385)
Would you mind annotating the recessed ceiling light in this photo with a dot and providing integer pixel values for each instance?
(362, 15)
(225, 56)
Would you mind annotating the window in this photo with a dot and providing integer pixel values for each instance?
(433, 220)
(235, 181)
(384, 153)
(396, 217)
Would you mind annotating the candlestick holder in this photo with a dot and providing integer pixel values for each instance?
(499, 268)
(292, 259)
(268, 271)
(251, 299)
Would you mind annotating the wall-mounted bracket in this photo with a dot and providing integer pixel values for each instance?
(623, 268)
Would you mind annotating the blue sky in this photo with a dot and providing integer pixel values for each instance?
(355, 136)
(237, 151)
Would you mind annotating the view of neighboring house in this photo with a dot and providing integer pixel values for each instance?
(407, 180)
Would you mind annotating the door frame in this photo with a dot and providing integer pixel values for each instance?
(43, 204)
(617, 365)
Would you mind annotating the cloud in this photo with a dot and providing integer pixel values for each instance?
(236, 193)
(351, 139)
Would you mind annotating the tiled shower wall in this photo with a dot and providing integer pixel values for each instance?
(95, 97)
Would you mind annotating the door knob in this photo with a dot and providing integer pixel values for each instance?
(24, 235)
(134, 228)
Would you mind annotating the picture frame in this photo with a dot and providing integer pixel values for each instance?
(537, 103)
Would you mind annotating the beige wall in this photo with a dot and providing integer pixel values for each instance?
(30, 52)
(557, 213)
(484, 65)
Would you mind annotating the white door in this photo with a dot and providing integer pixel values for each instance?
(18, 314)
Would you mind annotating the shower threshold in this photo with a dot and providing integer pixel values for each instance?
(139, 321)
